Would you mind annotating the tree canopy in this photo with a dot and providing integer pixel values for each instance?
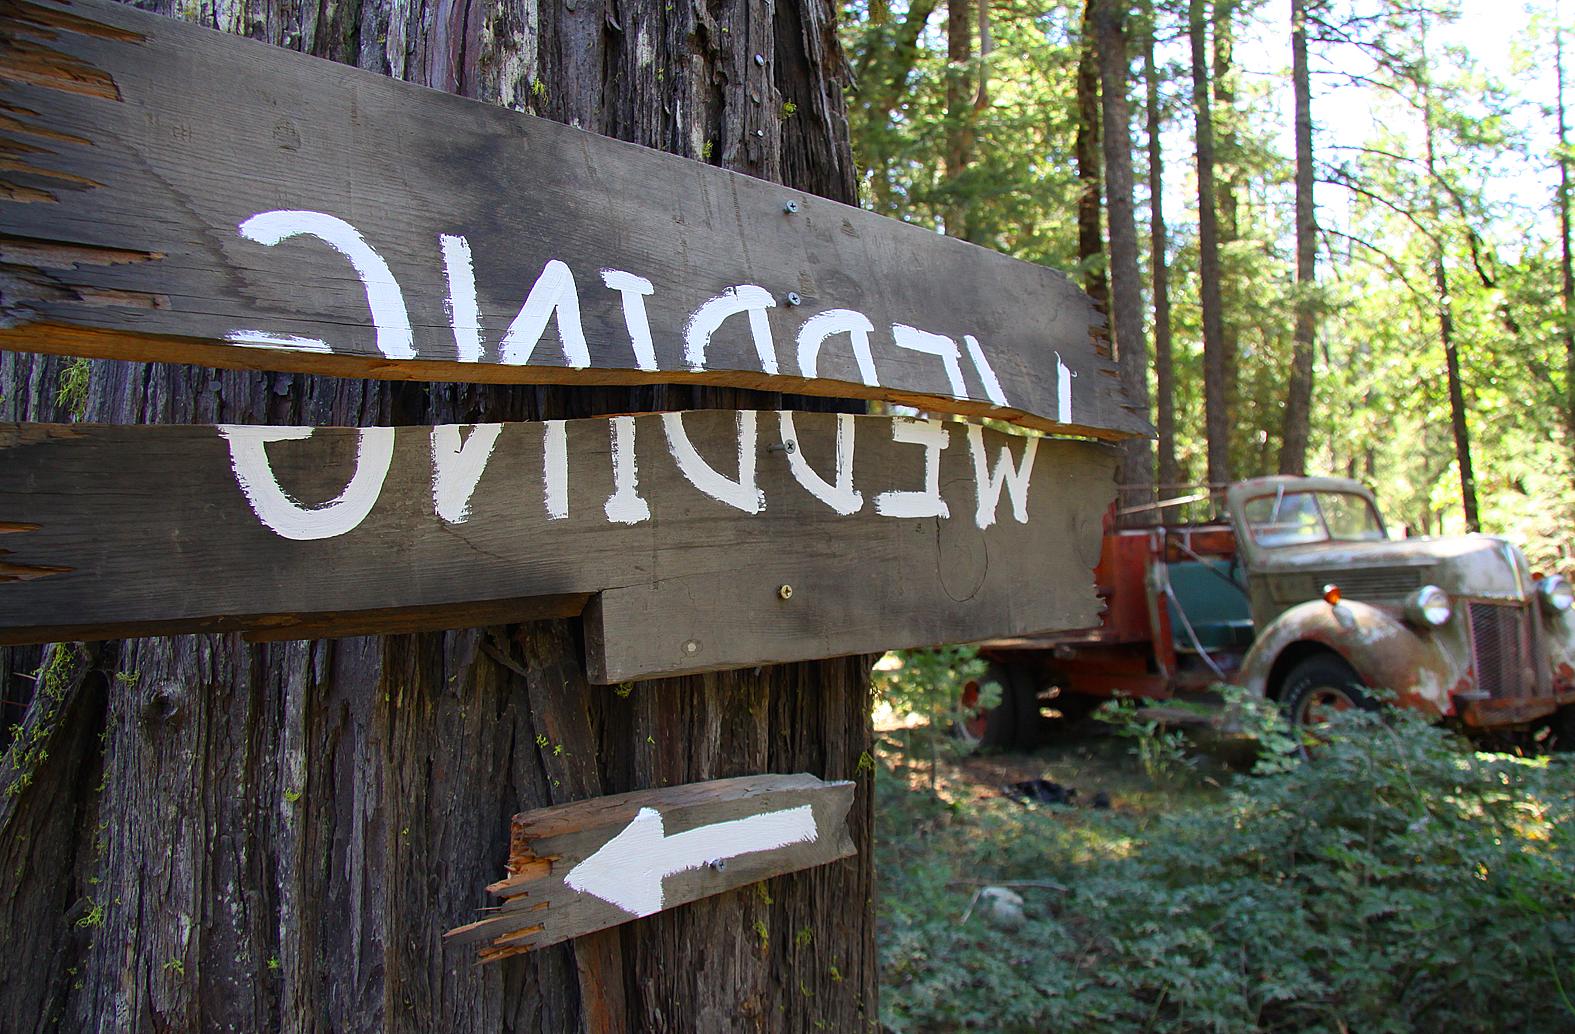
(1425, 345)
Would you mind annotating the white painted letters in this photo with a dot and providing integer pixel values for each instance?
(383, 296)
(987, 484)
(1063, 397)
(464, 314)
(457, 468)
(706, 319)
(278, 510)
(555, 469)
(741, 494)
(634, 290)
(625, 505)
(938, 345)
(554, 291)
(841, 497)
(813, 334)
(927, 502)
(992, 384)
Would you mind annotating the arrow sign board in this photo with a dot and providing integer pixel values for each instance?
(690, 542)
(173, 193)
(629, 869)
(576, 868)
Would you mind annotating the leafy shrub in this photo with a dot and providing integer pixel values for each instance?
(1399, 882)
(930, 683)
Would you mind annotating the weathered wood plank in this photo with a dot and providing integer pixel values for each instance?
(690, 527)
(177, 194)
(586, 866)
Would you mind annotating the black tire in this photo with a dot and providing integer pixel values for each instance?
(1013, 724)
(1562, 723)
(1320, 684)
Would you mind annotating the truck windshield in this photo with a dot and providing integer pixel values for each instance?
(1299, 518)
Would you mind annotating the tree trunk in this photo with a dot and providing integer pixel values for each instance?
(1126, 309)
(1164, 368)
(1227, 162)
(1298, 394)
(959, 113)
(1566, 264)
(1215, 416)
(1446, 316)
(1090, 239)
(204, 834)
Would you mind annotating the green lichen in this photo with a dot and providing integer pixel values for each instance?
(94, 915)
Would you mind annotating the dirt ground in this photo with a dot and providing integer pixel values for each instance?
(1094, 762)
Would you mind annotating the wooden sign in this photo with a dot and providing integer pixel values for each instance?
(692, 541)
(580, 867)
(173, 193)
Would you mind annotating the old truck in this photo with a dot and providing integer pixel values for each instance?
(1299, 593)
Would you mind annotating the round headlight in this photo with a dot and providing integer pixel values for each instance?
(1428, 606)
(1556, 593)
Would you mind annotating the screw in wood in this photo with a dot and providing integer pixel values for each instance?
(718, 864)
(760, 59)
(785, 591)
(692, 647)
(793, 298)
(790, 207)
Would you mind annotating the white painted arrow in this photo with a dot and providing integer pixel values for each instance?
(628, 870)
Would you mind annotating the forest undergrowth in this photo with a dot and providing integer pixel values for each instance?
(1401, 881)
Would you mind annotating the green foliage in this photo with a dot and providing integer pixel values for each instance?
(71, 394)
(1399, 883)
(1159, 749)
(929, 682)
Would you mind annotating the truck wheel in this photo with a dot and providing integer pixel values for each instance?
(1319, 687)
(1563, 724)
(1013, 724)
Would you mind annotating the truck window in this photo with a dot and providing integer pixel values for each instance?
(1301, 518)
(1350, 518)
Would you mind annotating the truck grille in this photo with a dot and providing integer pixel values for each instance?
(1380, 583)
(1501, 648)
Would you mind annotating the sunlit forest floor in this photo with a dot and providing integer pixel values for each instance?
(1403, 882)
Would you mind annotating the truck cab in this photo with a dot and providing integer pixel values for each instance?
(1299, 593)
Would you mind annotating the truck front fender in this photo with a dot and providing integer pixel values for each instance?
(1383, 650)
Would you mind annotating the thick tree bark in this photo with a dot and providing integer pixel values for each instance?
(1298, 393)
(1126, 309)
(1164, 366)
(1090, 237)
(1215, 414)
(208, 835)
